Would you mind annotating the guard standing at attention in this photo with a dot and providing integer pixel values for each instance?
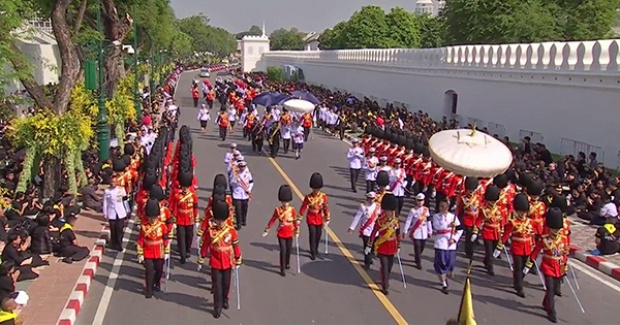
(153, 248)
(221, 243)
(491, 222)
(318, 215)
(288, 226)
(385, 238)
(467, 207)
(184, 206)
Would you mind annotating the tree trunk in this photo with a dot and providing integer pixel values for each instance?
(115, 30)
(51, 175)
(70, 65)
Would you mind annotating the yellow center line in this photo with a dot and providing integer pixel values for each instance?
(387, 304)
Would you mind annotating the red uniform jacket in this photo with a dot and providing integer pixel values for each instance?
(413, 166)
(491, 219)
(387, 234)
(209, 214)
(289, 223)
(124, 180)
(222, 244)
(453, 187)
(153, 240)
(555, 254)
(467, 209)
(439, 173)
(506, 195)
(141, 198)
(426, 172)
(316, 205)
(184, 206)
(521, 234)
(566, 231)
(537, 215)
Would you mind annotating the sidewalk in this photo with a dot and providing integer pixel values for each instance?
(61, 287)
(582, 240)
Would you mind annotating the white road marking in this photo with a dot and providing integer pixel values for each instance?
(106, 297)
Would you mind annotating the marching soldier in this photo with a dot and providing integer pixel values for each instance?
(355, 155)
(422, 228)
(367, 213)
(288, 226)
(398, 184)
(184, 206)
(143, 194)
(491, 221)
(257, 136)
(222, 122)
(221, 244)
(165, 215)
(370, 168)
(286, 122)
(506, 194)
(467, 207)
(115, 212)
(307, 124)
(555, 248)
(241, 185)
(219, 194)
(385, 238)
(230, 155)
(153, 248)
(521, 232)
(538, 208)
(318, 215)
(248, 125)
(274, 139)
(447, 230)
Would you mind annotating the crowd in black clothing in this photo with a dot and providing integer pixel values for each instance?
(592, 191)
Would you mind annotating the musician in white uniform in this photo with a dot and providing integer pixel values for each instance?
(398, 183)
(419, 217)
(299, 138)
(355, 155)
(367, 213)
(370, 166)
(285, 134)
(241, 185)
(447, 230)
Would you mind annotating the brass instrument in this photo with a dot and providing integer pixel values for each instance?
(273, 134)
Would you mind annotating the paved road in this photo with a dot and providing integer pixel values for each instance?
(330, 290)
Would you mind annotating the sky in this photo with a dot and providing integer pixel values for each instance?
(306, 15)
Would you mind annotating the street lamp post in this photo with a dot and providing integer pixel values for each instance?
(103, 130)
(137, 104)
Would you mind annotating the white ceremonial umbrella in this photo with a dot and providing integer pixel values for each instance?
(470, 153)
(298, 106)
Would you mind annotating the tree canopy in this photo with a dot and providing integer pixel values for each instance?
(287, 39)
(253, 31)
(205, 37)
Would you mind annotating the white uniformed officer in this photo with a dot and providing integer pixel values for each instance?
(229, 155)
(355, 155)
(398, 183)
(419, 217)
(370, 166)
(115, 212)
(367, 213)
(241, 184)
(447, 230)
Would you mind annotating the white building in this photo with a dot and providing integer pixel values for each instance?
(252, 49)
(431, 7)
(312, 41)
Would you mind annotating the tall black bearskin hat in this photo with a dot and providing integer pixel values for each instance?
(220, 180)
(185, 164)
(220, 210)
(511, 175)
(118, 165)
(126, 160)
(418, 148)
(525, 180)
(559, 202)
(471, 183)
(152, 208)
(157, 193)
(535, 188)
(285, 194)
(383, 178)
(389, 202)
(521, 203)
(185, 177)
(183, 133)
(219, 190)
(492, 193)
(150, 179)
(554, 219)
(316, 181)
(129, 149)
(426, 152)
(500, 181)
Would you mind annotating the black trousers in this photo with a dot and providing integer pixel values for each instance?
(220, 280)
(401, 203)
(354, 174)
(410, 185)
(387, 262)
(257, 143)
(286, 245)
(306, 133)
(241, 212)
(518, 263)
(185, 239)
(469, 246)
(223, 132)
(314, 233)
(489, 248)
(274, 147)
(553, 287)
(75, 253)
(116, 233)
(153, 269)
(418, 249)
(210, 104)
(367, 257)
(196, 102)
(370, 186)
(286, 144)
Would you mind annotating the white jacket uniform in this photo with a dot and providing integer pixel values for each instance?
(446, 226)
(366, 213)
(370, 167)
(421, 219)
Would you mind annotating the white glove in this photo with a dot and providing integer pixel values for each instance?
(297, 235)
(326, 223)
(496, 253)
(526, 270)
(265, 234)
(166, 257)
(473, 238)
(140, 259)
(199, 267)
(367, 250)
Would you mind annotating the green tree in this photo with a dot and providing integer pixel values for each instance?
(404, 28)
(286, 40)
(253, 31)
(432, 31)
(367, 28)
(586, 19)
(334, 39)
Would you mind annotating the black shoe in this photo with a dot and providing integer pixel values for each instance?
(288, 267)
(354, 190)
(385, 292)
(225, 305)
(183, 261)
(148, 295)
(520, 293)
(67, 260)
(244, 224)
(491, 272)
(552, 318)
(312, 257)
(282, 273)
(217, 314)
(418, 266)
(444, 290)
(558, 294)
(157, 288)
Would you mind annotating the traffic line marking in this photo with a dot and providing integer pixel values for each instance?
(387, 304)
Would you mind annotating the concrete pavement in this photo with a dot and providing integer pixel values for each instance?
(332, 289)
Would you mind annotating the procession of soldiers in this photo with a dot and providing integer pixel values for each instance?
(510, 214)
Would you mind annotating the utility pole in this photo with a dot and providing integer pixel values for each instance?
(136, 96)
(103, 130)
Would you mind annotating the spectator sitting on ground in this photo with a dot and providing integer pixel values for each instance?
(8, 277)
(41, 238)
(9, 307)
(13, 252)
(607, 239)
(90, 199)
(69, 248)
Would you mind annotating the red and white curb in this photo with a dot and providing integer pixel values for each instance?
(598, 262)
(76, 300)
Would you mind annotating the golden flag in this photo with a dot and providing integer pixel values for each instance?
(466, 310)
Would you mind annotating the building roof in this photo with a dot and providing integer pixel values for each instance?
(312, 36)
